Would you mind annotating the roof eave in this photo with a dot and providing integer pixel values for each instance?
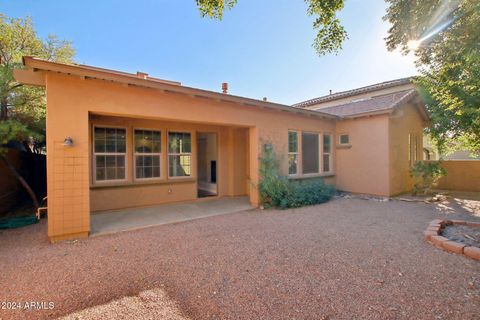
(130, 79)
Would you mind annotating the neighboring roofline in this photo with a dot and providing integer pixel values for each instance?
(353, 92)
(408, 97)
(89, 72)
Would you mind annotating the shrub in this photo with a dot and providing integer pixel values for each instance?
(426, 176)
(278, 191)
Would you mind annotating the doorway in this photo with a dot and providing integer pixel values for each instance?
(207, 164)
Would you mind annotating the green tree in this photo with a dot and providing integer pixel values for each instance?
(23, 108)
(445, 37)
(330, 36)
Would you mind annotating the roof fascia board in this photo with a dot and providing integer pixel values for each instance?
(103, 74)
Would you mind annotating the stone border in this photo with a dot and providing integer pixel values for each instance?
(432, 236)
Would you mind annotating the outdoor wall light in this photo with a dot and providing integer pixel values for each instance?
(68, 142)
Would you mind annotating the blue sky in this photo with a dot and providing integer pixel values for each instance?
(261, 48)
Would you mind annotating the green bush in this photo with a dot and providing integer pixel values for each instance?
(278, 191)
(426, 176)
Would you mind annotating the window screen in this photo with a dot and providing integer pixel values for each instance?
(109, 153)
(292, 152)
(327, 147)
(344, 139)
(148, 147)
(179, 154)
(310, 153)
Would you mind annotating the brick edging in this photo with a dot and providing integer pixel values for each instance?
(433, 236)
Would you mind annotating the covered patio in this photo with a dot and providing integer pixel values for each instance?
(136, 218)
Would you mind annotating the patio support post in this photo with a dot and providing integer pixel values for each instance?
(254, 154)
(67, 167)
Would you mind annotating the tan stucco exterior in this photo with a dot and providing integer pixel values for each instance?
(405, 122)
(377, 160)
(79, 98)
(232, 157)
(75, 104)
(362, 167)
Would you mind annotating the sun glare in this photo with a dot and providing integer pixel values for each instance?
(413, 44)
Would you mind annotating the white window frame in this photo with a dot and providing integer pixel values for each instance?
(135, 154)
(412, 148)
(415, 148)
(320, 148)
(95, 154)
(179, 154)
(330, 164)
(293, 153)
(340, 139)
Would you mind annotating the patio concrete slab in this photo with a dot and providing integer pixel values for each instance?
(135, 218)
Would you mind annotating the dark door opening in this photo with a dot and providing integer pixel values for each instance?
(207, 164)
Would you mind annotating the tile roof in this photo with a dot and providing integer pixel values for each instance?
(370, 105)
(348, 93)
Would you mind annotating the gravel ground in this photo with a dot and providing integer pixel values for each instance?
(151, 304)
(345, 259)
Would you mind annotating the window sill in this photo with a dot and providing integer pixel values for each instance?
(310, 176)
(142, 183)
(343, 146)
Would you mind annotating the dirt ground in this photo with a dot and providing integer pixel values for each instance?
(348, 258)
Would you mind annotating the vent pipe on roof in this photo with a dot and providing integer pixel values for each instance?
(225, 87)
(331, 91)
(142, 75)
(265, 99)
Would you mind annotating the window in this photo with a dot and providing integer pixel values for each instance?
(344, 139)
(412, 149)
(179, 154)
(109, 153)
(415, 148)
(327, 147)
(310, 153)
(292, 152)
(148, 148)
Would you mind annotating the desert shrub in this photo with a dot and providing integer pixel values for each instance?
(278, 191)
(426, 176)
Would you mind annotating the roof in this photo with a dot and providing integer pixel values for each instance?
(353, 92)
(378, 104)
(36, 66)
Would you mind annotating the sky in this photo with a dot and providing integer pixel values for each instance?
(261, 48)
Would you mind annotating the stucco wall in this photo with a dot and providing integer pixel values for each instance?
(363, 167)
(406, 120)
(135, 193)
(462, 175)
(70, 100)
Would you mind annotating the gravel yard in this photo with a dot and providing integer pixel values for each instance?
(348, 258)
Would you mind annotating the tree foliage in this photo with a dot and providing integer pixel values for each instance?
(22, 116)
(330, 32)
(426, 176)
(446, 38)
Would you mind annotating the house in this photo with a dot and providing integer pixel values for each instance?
(117, 140)
(378, 137)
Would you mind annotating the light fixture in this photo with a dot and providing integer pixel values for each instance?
(68, 142)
